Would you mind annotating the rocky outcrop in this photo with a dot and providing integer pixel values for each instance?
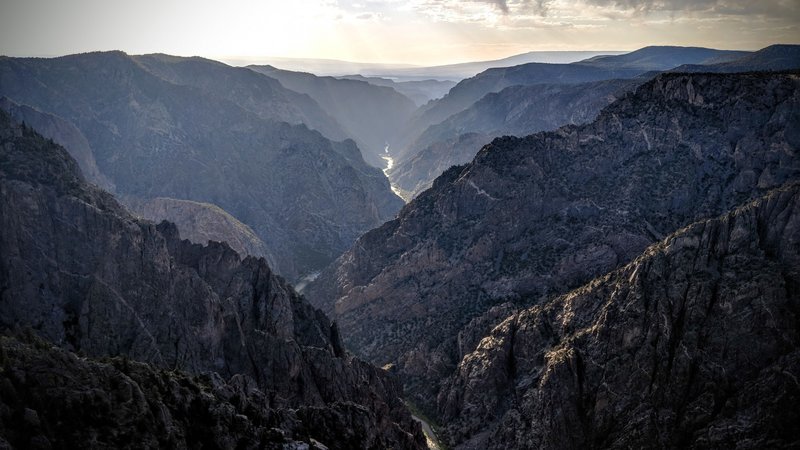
(82, 273)
(371, 115)
(515, 111)
(531, 218)
(200, 223)
(52, 398)
(694, 344)
(308, 198)
(62, 133)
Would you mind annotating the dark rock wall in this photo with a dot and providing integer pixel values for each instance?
(692, 345)
(77, 269)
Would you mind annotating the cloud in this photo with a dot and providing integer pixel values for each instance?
(524, 13)
(766, 8)
(500, 4)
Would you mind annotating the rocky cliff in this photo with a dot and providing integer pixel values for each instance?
(530, 218)
(468, 91)
(200, 223)
(62, 132)
(645, 62)
(515, 111)
(82, 273)
(694, 344)
(306, 197)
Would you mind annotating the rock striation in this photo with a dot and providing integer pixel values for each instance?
(530, 218)
(82, 273)
(694, 344)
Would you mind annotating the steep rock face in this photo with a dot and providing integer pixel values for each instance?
(515, 111)
(646, 61)
(468, 91)
(306, 197)
(693, 344)
(533, 217)
(80, 271)
(416, 174)
(200, 223)
(64, 134)
(371, 115)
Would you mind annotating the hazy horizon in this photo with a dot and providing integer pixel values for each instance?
(416, 32)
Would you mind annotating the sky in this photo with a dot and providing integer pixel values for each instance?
(422, 32)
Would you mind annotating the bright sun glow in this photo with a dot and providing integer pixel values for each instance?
(415, 31)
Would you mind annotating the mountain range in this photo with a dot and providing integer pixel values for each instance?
(530, 218)
(533, 106)
(197, 130)
(412, 72)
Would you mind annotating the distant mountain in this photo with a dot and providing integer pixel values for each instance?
(774, 57)
(410, 72)
(306, 197)
(80, 272)
(598, 68)
(693, 344)
(371, 115)
(519, 110)
(420, 92)
(322, 66)
(468, 91)
(530, 218)
(516, 111)
(201, 222)
(663, 58)
(261, 95)
(460, 71)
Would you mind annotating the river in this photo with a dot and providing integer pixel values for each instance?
(389, 164)
(430, 435)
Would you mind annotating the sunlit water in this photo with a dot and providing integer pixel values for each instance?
(389, 164)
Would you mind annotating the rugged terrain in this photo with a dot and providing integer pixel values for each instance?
(531, 218)
(78, 270)
(514, 111)
(193, 129)
(694, 344)
(597, 68)
(371, 115)
(63, 133)
(200, 223)
(532, 105)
